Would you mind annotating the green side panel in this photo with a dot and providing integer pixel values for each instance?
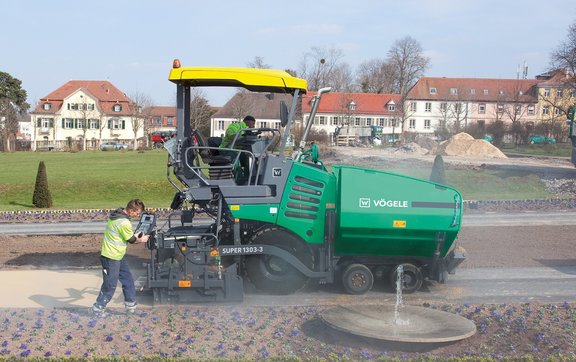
(309, 192)
(260, 212)
(386, 214)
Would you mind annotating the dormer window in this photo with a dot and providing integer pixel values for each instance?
(47, 106)
(352, 106)
(117, 108)
(433, 90)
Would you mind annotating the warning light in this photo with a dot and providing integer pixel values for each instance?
(184, 283)
(176, 63)
(214, 252)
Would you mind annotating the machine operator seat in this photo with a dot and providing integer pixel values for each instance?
(220, 165)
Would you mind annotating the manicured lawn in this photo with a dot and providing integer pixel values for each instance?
(104, 180)
(86, 180)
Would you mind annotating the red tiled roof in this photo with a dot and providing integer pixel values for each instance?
(105, 92)
(366, 103)
(473, 89)
(162, 111)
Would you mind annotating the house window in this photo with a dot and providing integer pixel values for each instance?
(482, 108)
(428, 107)
(115, 123)
(453, 91)
(560, 93)
(94, 123)
(156, 121)
(546, 92)
(352, 106)
(335, 120)
(220, 126)
(170, 121)
(485, 92)
(322, 120)
(382, 122)
(90, 106)
(412, 124)
(531, 110)
(433, 90)
(500, 108)
(47, 106)
(557, 111)
(68, 123)
(443, 106)
(426, 124)
(117, 108)
(393, 122)
(357, 121)
(391, 107)
(517, 109)
(501, 92)
(472, 91)
(546, 110)
(368, 121)
(413, 107)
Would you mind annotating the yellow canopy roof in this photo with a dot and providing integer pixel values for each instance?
(254, 79)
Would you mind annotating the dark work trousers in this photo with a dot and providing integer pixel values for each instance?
(112, 271)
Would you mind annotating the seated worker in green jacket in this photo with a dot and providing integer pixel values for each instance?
(234, 128)
(241, 171)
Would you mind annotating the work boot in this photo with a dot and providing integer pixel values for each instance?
(98, 310)
(130, 307)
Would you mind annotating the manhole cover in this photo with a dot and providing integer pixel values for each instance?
(415, 324)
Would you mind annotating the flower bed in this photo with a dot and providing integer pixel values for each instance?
(539, 331)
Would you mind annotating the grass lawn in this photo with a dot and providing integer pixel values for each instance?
(86, 180)
(105, 180)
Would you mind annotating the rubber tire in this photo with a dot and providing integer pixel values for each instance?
(357, 279)
(272, 274)
(414, 280)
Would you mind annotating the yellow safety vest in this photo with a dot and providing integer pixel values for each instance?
(116, 236)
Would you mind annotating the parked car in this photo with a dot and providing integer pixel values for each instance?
(540, 139)
(108, 146)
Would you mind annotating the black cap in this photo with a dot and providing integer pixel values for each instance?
(249, 119)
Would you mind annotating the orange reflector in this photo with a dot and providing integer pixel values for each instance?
(176, 63)
(214, 252)
(183, 248)
(184, 283)
(330, 206)
(399, 223)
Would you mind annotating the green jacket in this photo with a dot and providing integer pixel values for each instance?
(231, 133)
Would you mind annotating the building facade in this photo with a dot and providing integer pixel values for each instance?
(84, 114)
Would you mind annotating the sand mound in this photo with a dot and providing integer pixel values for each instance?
(462, 144)
(411, 148)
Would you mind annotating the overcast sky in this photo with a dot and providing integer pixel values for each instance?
(132, 43)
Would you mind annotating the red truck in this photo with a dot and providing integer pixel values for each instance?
(158, 138)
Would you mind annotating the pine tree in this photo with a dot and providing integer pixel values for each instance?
(438, 174)
(42, 197)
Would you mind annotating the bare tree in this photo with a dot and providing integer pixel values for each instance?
(565, 57)
(138, 107)
(241, 104)
(342, 79)
(319, 65)
(200, 112)
(375, 76)
(408, 63)
(8, 124)
(258, 62)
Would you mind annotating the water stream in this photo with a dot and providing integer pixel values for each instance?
(399, 304)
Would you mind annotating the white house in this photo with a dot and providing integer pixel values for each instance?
(82, 114)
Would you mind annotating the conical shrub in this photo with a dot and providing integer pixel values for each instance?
(438, 174)
(42, 197)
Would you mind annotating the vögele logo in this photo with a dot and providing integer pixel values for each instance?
(364, 202)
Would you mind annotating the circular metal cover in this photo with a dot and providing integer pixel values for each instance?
(414, 324)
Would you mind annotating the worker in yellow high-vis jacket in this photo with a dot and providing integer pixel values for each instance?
(115, 268)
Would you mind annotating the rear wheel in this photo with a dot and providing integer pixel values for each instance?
(412, 278)
(357, 279)
(273, 274)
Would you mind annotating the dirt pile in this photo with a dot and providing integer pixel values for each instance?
(462, 144)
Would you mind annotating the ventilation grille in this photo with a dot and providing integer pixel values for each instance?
(305, 196)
